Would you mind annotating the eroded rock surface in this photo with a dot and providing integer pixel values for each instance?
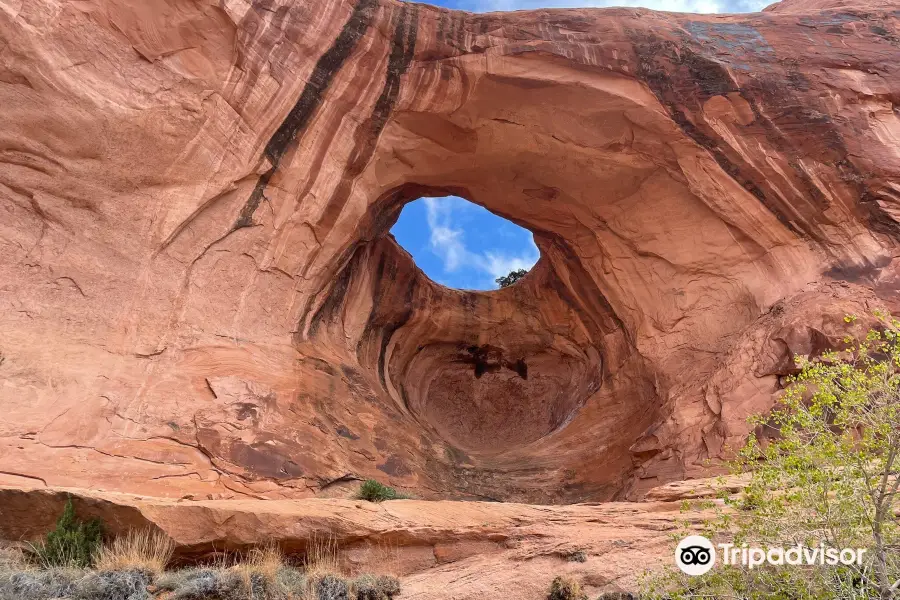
(201, 297)
(441, 550)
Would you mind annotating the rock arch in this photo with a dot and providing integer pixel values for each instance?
(238, 323)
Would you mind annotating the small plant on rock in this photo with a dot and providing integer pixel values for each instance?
(374, 491)
(511, 277)
(564, 588)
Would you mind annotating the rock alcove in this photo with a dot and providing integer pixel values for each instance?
(204, 299)
(487, 374)
(486, 378)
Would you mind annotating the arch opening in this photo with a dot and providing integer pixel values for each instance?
(464, 246)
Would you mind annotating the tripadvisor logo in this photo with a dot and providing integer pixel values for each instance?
(695, 555)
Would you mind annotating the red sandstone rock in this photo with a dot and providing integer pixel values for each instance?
(440, 550)
(202, 298)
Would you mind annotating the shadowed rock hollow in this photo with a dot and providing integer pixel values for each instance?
(202, 297)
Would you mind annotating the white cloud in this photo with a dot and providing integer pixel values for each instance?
(501, 264)
(447, 241)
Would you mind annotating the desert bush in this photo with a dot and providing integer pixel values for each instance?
(143, 550)
(38, 585)
(135, 573)
(380, 587)
(331, 587)
(129, 584)
(374, 491)
(511, 277)
(325, 581)
(291, 580)
(204, 584)
(73, 543)
(826, 472)
(239, 583)
(564, 588)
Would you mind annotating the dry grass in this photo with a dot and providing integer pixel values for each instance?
(383, 557)
(322, 557)
(128, 564)
(13, 559)
(142, 550)
(265, 561)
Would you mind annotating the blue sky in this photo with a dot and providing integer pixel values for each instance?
(704, 6)
(462, 245)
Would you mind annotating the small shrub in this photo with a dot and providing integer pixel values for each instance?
(381, 587)
(113, 585)
(564, 588)
(72, 543)
(204, 584)
(331, 587)
(578, 556)
(511, 277)
(38, 585)
(144, 550)
(374, 491)
(291, 580)
(259, 575)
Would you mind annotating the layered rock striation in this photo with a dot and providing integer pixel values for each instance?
(202, 298)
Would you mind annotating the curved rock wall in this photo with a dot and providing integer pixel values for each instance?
(203, 299)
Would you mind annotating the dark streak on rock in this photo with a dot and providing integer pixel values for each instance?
(346, 433)
(367, 134)
(866, 273)
(342, 479)
(820, 129)
(311, 97)
(822, 139)
(389, 331)
(245, 218)
(335, 298)
(394, 466)
(710, 78)
(879, 219)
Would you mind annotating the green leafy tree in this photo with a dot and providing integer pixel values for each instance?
(73, 543)
(824, 469)
(511, 278)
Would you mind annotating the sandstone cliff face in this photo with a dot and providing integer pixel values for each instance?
(201, 297)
